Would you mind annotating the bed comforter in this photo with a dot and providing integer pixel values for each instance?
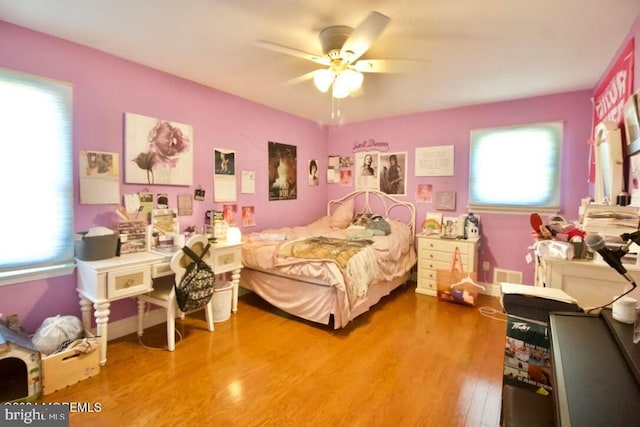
(369, 260)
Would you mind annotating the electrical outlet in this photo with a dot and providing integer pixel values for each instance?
(485, 266)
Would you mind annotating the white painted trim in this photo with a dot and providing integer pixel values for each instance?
(429, 292)
(129, 325)
(492, 289)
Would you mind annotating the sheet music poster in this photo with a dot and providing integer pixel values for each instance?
(434, 161)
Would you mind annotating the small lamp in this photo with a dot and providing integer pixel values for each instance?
(234, 235)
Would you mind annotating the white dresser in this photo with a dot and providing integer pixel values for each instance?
(436, 253)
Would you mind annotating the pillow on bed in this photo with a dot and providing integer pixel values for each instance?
(362, 219)
(342, 217)
(322, 223)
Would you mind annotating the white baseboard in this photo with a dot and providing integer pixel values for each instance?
(129, 325)
(492, 289)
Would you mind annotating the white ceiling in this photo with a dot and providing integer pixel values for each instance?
(477, 51)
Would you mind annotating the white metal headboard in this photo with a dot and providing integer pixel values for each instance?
(379, 203)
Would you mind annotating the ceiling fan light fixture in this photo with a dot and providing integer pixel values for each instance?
(323, 79)
(340, 87)
(353, 79)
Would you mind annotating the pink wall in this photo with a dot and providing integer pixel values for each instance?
(105, 87)
(505, 238)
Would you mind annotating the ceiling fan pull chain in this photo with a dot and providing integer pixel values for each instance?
(335, 112)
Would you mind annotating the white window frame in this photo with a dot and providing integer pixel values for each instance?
(38, 178)
(516, 168)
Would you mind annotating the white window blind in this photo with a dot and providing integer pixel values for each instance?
(516, 168)
(36, 176)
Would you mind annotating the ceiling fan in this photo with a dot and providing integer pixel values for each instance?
(342, 47)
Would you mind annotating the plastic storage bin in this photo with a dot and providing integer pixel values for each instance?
(95, 248)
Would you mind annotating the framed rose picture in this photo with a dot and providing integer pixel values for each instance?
(157, 151)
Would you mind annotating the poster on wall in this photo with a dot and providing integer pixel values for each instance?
(248, 216)
(157, 151)
(99, 177)
(282, 171)
(224, 177)
(345, 177)
(248, 182)
(434, 161)
(313, 178)
(333, 166)
(610, 96)
(367, 171)
(393, 173)
(424, 193)
(230, 214)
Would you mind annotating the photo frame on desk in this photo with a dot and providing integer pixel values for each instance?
(631, 125)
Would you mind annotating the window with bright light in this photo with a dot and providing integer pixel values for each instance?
(515, 168)
(36, 176)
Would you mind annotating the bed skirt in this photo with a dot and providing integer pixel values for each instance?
(313, 300)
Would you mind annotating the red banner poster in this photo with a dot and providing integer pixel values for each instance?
(610, 96)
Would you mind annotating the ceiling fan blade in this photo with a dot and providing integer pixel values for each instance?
(389, 65)
(364, 35)
(322, 60)
(302, 78)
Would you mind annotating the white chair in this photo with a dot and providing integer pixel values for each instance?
(164, 294)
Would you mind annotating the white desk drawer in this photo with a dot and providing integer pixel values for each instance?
(226, 259)
(161, 269)
(128, 281)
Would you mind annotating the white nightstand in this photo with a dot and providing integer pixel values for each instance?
(436, 253)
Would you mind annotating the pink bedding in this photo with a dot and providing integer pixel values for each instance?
(386, 260)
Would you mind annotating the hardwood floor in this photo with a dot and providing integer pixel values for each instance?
(410, 361)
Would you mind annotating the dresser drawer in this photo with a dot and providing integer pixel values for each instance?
(428, 284)
(442, 257)
(424, 274)
(444, 245)
(128, 281)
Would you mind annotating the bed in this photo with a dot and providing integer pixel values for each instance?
(339, 265)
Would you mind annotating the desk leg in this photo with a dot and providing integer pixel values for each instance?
(235, 279)
(102, 318)
(85, 309)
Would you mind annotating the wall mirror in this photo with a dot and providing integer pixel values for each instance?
(609, 163)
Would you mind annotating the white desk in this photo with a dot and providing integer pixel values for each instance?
(104, 281)
(591, 283)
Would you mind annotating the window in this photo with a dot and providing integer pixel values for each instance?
(36, 176)
(516, 168)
